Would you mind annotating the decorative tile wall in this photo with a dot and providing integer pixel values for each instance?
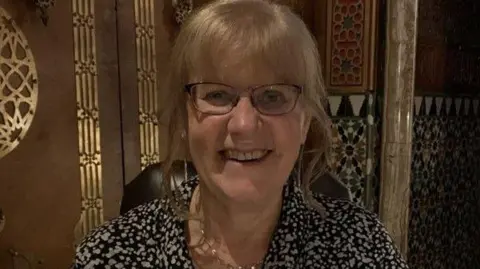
(444, 217)
(354, 134)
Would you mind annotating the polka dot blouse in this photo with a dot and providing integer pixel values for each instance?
(151, 236)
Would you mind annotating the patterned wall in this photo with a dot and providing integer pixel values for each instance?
(354, 139)
(446, 141)
(349, 76)
(88, 116)
(19, 81)
(444, 220)
(147, 81)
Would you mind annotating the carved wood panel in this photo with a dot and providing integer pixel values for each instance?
(64, 176)
(350, 45)
(39, 179)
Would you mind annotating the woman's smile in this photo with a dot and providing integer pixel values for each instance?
(250, 156)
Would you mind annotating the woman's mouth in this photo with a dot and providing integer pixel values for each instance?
(245, 156)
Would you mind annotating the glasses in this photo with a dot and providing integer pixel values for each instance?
(219, 99)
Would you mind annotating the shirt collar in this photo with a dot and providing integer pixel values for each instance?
(289, 238)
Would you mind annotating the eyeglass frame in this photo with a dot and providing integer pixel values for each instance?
(189, 87)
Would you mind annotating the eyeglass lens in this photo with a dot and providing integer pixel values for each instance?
(220, 99)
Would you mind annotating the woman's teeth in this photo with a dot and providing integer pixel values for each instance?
(245, 156)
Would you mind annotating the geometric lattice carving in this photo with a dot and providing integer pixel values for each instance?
(351, 45)
(347, 55)
(86, 85)
(18, 84)
(147, 81)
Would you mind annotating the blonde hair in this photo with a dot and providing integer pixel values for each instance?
(256, 32)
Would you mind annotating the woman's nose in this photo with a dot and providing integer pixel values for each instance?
(244, 117)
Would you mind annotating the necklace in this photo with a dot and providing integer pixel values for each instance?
(220, 261)
(213, 253)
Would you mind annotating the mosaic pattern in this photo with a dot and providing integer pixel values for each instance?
(355, 105)
(445, 188)
(373, 139)
(349, 153)
(354, 134)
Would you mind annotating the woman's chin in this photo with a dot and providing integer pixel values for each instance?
(244, 189)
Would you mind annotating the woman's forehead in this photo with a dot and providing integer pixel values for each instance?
(237, 75)
(242, 72)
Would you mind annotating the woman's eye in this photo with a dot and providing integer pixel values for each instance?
(272, 96)
(218, 97)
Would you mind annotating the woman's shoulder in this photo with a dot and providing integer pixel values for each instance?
(338, 209)
(343, 215)
(350, 231)
(121, 236)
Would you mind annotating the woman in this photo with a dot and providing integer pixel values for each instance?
(244, 87)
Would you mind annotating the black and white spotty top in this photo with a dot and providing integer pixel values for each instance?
(151, 236)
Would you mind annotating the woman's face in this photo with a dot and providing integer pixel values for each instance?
(218, 143)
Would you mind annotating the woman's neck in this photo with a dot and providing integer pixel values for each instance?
(241, 232)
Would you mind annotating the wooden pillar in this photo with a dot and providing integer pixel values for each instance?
(397, 118)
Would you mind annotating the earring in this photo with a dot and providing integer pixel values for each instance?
(185, 169)
(300, 166)
(185, 165)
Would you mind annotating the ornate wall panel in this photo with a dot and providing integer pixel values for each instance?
(147, 81)
(350, 47)
(443, 225)
(87, 114)
(354, 138)
(40, 190)
(18, 84)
